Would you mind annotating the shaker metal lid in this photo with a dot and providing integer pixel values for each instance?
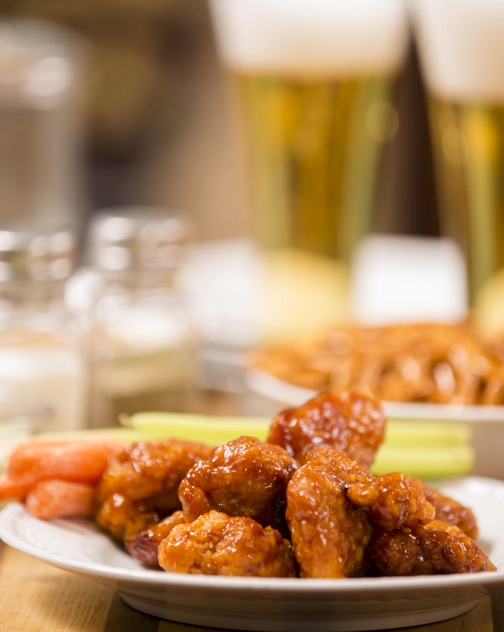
(137, 239)
(36, 254)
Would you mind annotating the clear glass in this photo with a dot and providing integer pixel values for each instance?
(312, 95)
(311, 85)
(40, 360)
(461, 47)
(41, 70)
(140, 349)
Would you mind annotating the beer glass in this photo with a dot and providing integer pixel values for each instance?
(461, 46)
(312, 82)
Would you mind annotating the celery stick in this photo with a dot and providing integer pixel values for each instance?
(433, 462)
(215, 430)
(204, 428)
(427, 433)
(416, 448)
(425, 449)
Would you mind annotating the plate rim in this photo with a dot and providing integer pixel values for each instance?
(267, 385)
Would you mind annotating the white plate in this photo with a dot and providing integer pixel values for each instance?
(271, 604)
(283, 392)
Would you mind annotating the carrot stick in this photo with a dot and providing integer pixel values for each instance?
(12, 490)
(77, 461)
(50, 499)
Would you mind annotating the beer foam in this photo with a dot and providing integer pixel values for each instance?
(461, 46)
(311, 36)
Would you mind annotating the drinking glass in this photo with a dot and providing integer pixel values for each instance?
(461, 45)
(312, 94)
(41, 80)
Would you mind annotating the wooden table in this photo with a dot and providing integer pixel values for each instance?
(35, 597)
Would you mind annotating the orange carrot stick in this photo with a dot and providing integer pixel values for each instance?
(50, 499)
(12, 490)
(77, 461)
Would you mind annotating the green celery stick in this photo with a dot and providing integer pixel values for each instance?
(427, 433)
(425, 462)
(215, 430)
(204, 428)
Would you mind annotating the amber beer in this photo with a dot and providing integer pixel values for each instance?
(468, 140)
(312, 85)
(461, 49)
(313, 148)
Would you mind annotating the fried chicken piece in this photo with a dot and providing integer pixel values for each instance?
(353, 424)
(143, 535)
(144, 479)
(447, 509)
(434, 548)
(390, 502)
(216, 544)
(329, 534)
(244, 477)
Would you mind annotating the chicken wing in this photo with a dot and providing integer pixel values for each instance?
(431, 549)
(142, 536)
(447, 509)
(329, 534)
(244, 477)
(353, 424)
(390, 502)
(144, 479)
(216, 544)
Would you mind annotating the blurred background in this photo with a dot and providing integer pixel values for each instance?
(124, 104)
(132, 273)
(156, 127)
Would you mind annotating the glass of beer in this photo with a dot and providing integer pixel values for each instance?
(461, 45)
(312, 81)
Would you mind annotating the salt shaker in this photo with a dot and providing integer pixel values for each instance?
(139, 341)
(40, 360)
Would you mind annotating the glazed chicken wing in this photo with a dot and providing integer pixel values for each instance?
(391, 502)
(329, 534)
(353, 424)
(144, 479)
(143, 535)
(447, 509)
(216, 544)
(431, 549)
(244, 477)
